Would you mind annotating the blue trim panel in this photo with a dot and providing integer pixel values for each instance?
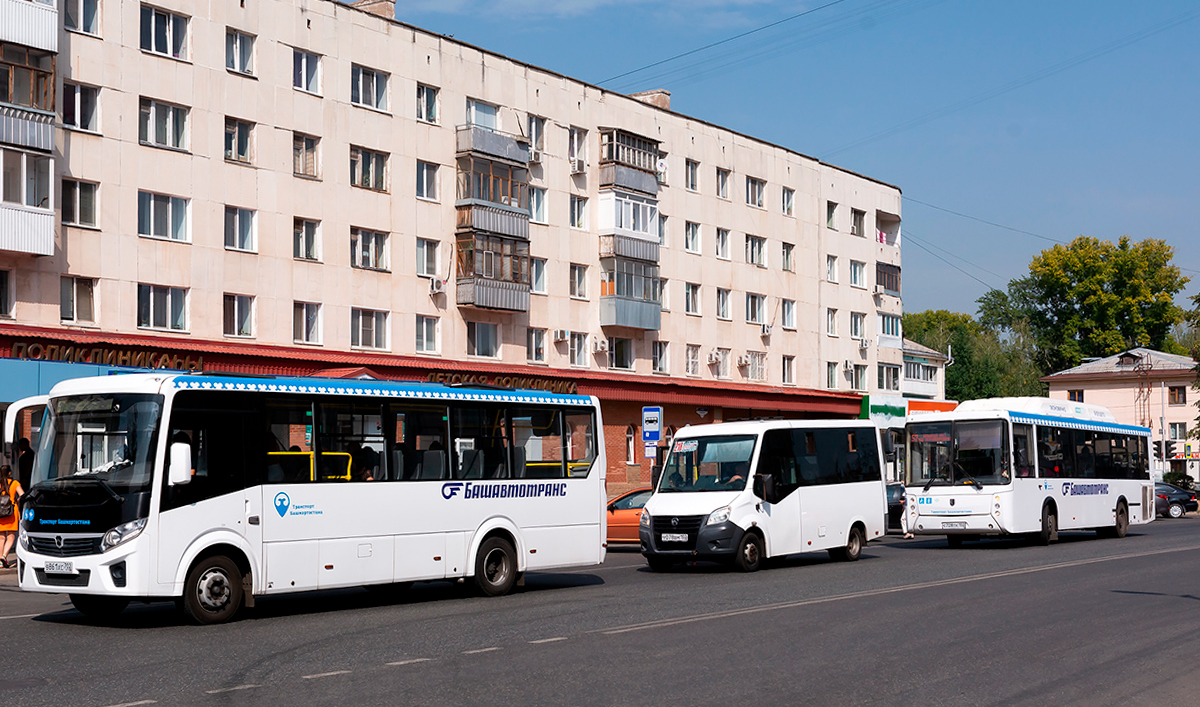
(1075, 424)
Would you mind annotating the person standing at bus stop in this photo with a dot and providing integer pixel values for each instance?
(10, 492)
(25, 463)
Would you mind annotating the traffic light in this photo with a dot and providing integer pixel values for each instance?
(1158, 449)
(1170, 449)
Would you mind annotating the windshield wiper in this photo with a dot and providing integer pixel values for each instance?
(86, 479)
(968, 478)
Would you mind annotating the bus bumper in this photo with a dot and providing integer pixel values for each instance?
(955, 525)
(716, 542)
(119, 572)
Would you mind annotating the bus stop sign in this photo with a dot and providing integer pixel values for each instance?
(651, 425)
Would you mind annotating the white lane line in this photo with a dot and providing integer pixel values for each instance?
(550, 640)
(410, 661)
(230, 689)
(481, 650)
(135, 704)
(662, 623)
(30, 616)
(324, 675)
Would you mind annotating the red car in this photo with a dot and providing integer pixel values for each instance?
(624, 515)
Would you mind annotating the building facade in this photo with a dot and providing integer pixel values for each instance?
(316, 188)
(1142, 387)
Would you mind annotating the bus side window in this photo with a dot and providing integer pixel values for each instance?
(480, 436)
(580, 442)
(778, 460)
(290, 452)
(351, 442)
(1022, 451)
(537, 443)
(216, 425)
(418, 451)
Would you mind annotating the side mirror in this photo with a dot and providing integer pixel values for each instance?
(612, 507)
(179, 470)
(758, 486)
(889, 445)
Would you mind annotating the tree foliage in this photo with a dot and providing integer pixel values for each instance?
(984, 365)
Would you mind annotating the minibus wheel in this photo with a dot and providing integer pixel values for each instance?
(495, 567)
(95, 607)
(749, 557)
(212, 593)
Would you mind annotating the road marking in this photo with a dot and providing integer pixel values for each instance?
(30, 616)
(135, 704)
(324, 675)
(550, 640)
(662, 623)
(481, 650)
(410, 661)
(230, 689)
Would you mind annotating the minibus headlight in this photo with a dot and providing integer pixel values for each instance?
(645, 521)
(718, 516)
(122, 533)
(23, 537)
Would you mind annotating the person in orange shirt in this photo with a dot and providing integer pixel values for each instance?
(10, 493)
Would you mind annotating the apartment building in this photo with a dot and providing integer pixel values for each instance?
(309, 187)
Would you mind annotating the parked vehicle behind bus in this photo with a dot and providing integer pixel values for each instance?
(742, 492)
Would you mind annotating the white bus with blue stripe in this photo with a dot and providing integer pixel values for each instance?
(214, 490)
(1004, 466)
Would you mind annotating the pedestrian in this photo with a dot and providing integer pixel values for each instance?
(25, 463)
(10, 491)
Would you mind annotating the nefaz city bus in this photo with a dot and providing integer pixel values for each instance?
(213, 490)
(1025, 465)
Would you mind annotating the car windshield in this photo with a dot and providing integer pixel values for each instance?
(718, 463)
(108, 438)
(958, 453)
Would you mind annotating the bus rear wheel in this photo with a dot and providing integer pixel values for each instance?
(496, 567)
(1049, 532)
(95, 607)
(853, 549)
(212, 593)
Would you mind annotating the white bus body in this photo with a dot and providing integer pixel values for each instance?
(1025, 465)
(815, 485)
(142, 480)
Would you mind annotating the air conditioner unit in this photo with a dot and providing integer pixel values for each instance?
(437, 286)
(714, 356)
(600, 344)
(578, 166)
(743, 361)
(879, 289)
(766, 329)
(562, 335)
(848, 366)
(864, 344)
(535, 157)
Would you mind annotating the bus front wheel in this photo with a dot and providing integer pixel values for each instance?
(496, 567)
(1049, 532)
(749, 555)
(212, 593)
(95, 607)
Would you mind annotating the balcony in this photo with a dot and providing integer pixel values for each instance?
(619, 246)
(26, 127)
(492, 143)
(478, 215)
(614, 175)
(628, 161)
(616, 310)
(492, 294)
(28, 231)
(492, 272)
(33, 24)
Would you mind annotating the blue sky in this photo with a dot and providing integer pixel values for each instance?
(1063, 118)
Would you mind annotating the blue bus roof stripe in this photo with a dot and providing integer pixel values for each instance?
(1031, 418)
(334, 386)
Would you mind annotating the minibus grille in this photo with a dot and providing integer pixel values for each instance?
(71, 546)
(676, 524)
(62, 580)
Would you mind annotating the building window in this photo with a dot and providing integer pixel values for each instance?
(6, 299)
(888, 277)
(631, 445)
(691, 175)
(831, 268)
(756, 251)
(76, 300)
(578, 281)
(693, 359)
(79, 202)
(831, 327)
(789, 370)
(858, 325)
(427, 184)
(368, 329)
(859, 381)
(482, 115)
(427, 257)
(239, 229)
(162, 124)
(82, 16)
(722, 243)
(889, 377)
(620, 353)
(788, 314)
(239, 315)
(368, 87)
(658, 293)
(658, 357)
(304, 241)
(756, 306)
(831, 375)
(164, 32)
(304, 155)
(789, 202)
(889, 324)
(537, 276)
(306, 323)
(917, 371)
(662, 230)
(577, 144)
(535, 345)
(691, 298)
(756, 192)
(831, 215)
(691, 237)
(786, 254)
(427, 104)
(162, 307)
(578, 214)
(722, 303)
(1177, 430)
(722, 183)
(427, 334)
(368, 249)
(756, 368)
(79, 107)
(368, 169)
(487, 180)
(577, 350)
(1177, 395)
(483, 339)
(638, 215)
(537, 205)
(537, 132)
(628, 278)
(723, 356)
(858, 274)
(306, 71)
(239, 52)
(162, 216)
(237, 140)
(1075, 396)
(856, 224)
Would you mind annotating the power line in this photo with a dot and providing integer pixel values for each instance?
(957, 257)
(917, 243)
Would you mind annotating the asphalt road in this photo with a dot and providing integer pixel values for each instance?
(1087, 621)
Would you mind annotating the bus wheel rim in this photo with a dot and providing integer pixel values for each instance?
(495, 566)
(214, 590)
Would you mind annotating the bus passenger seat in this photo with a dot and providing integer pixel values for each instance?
(433, 465)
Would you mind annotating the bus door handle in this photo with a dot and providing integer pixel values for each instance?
(252, 520)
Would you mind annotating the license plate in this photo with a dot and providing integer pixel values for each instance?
(674, 537)
(955, 524)
(60, 568)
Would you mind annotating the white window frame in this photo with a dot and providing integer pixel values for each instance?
(427, 104)
(76, 13)
(660, 357)
(787, 257)
(473, 338)
(378, 329)
(301, 151)
(308, 311)
(831, 375)
(789, 201)
(577, 353)
(427, 181)
(537, 276)
(723, 183)
(177, 216)
(427, 334)
(787, 373)
(887, 377)
(243, 315)
(859, 380)
(175, 297)
(309, 248)
(243, 223)
(858, 221)
(535, 345)
(722, 243)
(428, 260)
(756, 250)
(238, 58)
(364, 81)
(234, 131)
(72, 197)
(858, 274)
(368, 249)
(38, 166)
(537, 205)
(831, 215)
(368, 169)
(482, 114)
(691, 298)
(174, 25)
(757, 370)
(691, 179)
(537, 131)
(858, 325)
(72, 287)
(889, 324)
(691, 237)
(174, 124)
(617, 345)
(723, 304)
(756, 192)
(787, 314)
(692, 363)
(577, 144)
(831, 325)
(306, 71)
(578, 212)
(80, 97)
(756, 306)
(724, 357)
(831, 268)
(578, 288)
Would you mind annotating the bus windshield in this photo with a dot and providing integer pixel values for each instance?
(108, 438)
(718, 463)
(958, 453)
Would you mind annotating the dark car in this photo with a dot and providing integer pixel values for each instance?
(1173, 501)
(895, 505)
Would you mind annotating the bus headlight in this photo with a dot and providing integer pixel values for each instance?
(122, 533)
(645, 521)
(23, 537)
(718, 516)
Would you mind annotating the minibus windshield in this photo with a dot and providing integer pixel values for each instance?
(717, 463)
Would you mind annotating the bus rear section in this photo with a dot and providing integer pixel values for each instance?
(741, 492)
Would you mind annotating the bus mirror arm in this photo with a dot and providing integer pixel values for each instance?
(179, 471)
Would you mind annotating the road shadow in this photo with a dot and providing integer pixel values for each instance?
(1156, 594)
(998, 542)
(805, 559)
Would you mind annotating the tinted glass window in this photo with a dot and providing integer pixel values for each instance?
(632, 501)
(419, 442)
(778, 461)
(290, 457)
(580, 429)
(837, 456)
(480, 442)
(1055, 458)
(219, 427)
(537, 443)
(351, 442)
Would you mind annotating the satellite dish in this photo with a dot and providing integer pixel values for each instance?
(662, 164)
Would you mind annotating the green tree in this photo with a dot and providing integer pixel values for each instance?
(1091, 297)
(984, 365)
